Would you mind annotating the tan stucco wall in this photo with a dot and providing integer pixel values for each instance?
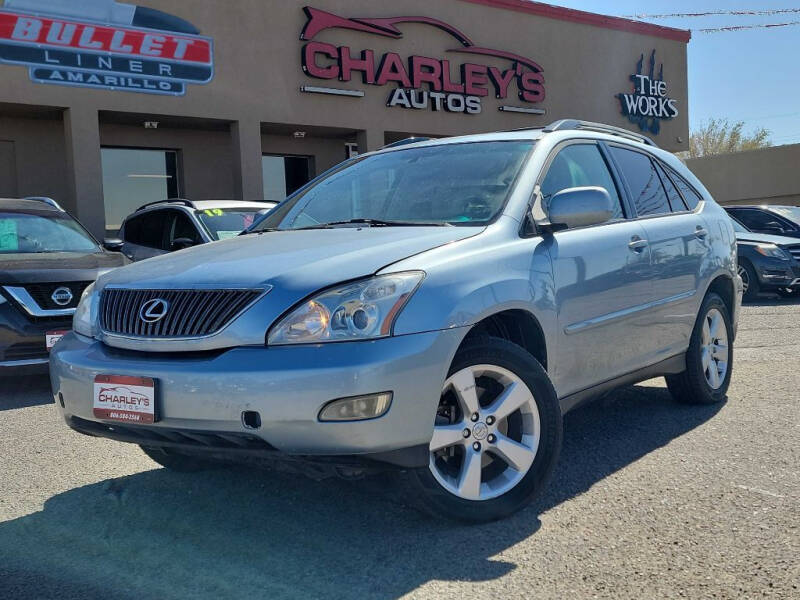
(39, 165)
(258, 77)
(765, 176)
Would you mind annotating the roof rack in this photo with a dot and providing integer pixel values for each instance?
(183, 201)
(46, 200)
(410, 140)
(567, 124)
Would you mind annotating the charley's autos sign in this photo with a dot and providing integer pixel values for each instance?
(104, 44)
(455, 82)
(649, 103)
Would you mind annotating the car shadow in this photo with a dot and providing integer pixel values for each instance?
(246, 533)
(22, 391)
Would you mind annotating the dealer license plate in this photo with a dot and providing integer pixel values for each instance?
(125, 398)
(51, 337)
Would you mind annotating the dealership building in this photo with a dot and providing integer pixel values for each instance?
(106, 105)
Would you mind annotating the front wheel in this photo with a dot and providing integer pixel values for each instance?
(709, 360)
(750, 285)
(496, 438)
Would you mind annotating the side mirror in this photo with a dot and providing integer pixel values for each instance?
(113, 244)
(580, 207)
(181, 243)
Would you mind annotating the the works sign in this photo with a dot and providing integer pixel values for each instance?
(649, 103)
(419, 82)
(104, 44)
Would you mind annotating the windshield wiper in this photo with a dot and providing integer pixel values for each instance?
(375, 223)
(252, 231)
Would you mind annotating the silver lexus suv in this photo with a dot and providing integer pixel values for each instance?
(432, 308)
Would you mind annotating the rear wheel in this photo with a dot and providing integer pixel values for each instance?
(496, 438)
(709, 360)
(750, 285)
(176, 461)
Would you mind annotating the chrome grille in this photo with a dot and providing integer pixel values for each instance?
(795, 251)
(191, 313)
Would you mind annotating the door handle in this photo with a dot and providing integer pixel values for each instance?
(637, 244)
(701, 231)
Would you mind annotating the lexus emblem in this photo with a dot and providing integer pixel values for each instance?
(61, 296)
(153, 310)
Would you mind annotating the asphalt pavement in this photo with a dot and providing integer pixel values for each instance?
(652, 499)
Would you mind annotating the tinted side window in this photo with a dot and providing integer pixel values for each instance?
(675, 201)
(182, 227)
(146, 230)
(760, 221)
(691, 197)
(579, 165)
(647, 193)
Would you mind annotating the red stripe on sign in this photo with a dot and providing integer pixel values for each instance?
(58, 33)
(125, 380)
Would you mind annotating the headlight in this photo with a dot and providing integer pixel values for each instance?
(361, 310)
(85, 319)
(773, 251)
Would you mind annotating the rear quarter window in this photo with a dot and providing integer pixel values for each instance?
(690, 195)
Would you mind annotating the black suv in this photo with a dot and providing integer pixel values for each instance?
(767, 263)
(47, 259)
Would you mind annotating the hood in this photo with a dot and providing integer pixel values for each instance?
(299, 262)
(57, 266)
(763, 238)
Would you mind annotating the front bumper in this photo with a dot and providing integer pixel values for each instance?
(286, 385)
(22, 339)
(773, 274)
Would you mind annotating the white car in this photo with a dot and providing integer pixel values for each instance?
(169, 225)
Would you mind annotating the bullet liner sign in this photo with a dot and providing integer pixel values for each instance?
(104, 44)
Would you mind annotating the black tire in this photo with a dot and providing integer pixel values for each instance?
(177, 461)
(426, 492)
(750, 278)
(691, 386)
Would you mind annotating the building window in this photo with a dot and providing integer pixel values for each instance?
(284, 174)
(133, 177)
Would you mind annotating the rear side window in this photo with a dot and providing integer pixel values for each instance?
(647, 193)
(146, 230)
(691, 197)
(675, 200)
(579, 165)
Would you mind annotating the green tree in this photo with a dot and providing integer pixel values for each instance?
(719, 136)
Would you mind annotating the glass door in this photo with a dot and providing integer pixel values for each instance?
(133, 177)
(284, 174)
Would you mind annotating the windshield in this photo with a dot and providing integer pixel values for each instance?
(790, 212)
(224, 223)
(738, 227)
(27, 233)
(456, 184)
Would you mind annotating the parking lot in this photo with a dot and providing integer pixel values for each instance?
(651, 499)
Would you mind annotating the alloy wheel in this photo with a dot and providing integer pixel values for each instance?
(486, 434)
(715, 352)
(745, 278)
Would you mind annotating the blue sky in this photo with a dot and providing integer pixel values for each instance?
(751, 76)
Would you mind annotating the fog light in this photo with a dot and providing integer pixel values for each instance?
(357, 408)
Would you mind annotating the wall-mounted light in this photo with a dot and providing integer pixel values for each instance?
(151, 124)
(299, 135)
